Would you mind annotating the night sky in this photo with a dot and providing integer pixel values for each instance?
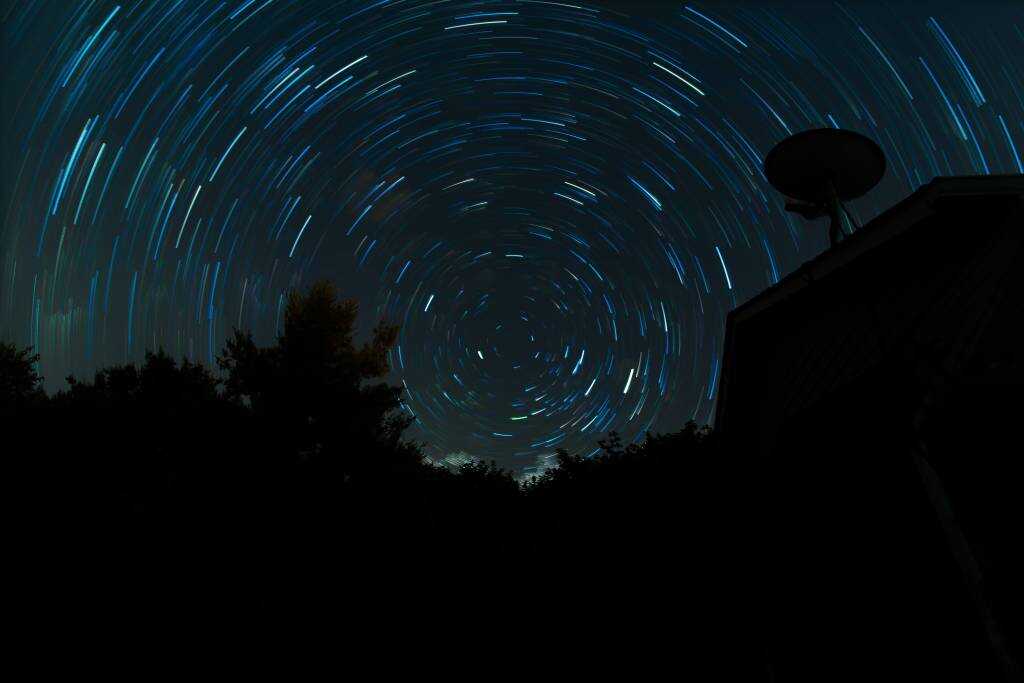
(559, 202)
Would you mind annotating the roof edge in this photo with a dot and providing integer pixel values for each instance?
(895, 220)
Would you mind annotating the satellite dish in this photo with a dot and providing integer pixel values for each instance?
(823, 168)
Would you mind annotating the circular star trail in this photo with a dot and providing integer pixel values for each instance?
(558, 202)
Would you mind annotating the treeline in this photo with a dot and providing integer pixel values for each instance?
(286, 482)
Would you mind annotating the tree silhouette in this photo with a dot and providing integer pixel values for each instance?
(143, 439)
(20, 384)
(284, 485)
(309, 391)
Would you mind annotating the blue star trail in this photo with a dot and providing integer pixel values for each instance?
(558, 202)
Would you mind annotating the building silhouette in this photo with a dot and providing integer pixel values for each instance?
(878, 390)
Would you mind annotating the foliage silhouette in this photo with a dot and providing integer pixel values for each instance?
(20, 384)
(307, 391)
(284, 485)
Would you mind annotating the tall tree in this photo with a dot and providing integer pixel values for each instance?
(310, 391)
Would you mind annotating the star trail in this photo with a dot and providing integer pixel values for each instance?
(558, 202)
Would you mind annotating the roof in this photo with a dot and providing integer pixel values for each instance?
(899, 219)
(890, 223)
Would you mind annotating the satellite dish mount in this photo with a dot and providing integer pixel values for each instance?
(820, 169)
